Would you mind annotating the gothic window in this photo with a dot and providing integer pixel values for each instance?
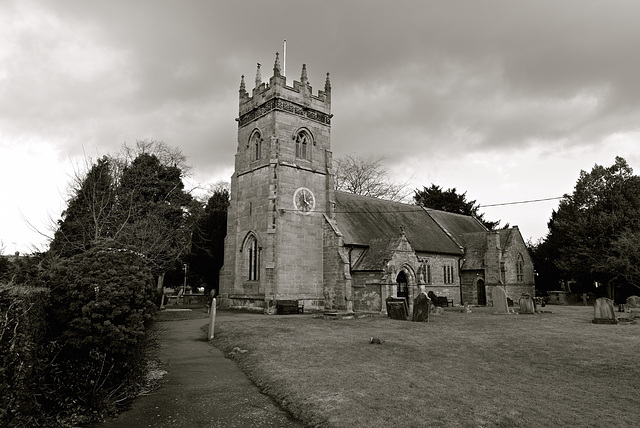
(255, 145)
(252, 258)
(303, 145)
(503, 273)
(424, 271)
(520, 269)
(447, 271)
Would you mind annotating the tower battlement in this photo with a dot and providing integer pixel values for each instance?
(276, 95)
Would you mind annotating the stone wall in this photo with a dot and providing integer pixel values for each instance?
(262, 188)
(333, 266)
(515, 247)
(469, 286)
(367, 291)
(438, 283)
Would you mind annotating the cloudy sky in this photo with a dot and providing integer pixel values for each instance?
(505, 100)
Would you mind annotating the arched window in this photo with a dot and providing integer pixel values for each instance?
(447, 271)
(520, 269)
(425, 271)
(255, 144)
(403, 286)
(252, 258)
(303, 145)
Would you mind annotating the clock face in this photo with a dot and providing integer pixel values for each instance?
(303, 200)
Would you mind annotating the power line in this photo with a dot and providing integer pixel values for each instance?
(419, 208)
(521, 202)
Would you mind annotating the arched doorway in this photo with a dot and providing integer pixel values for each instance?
(482, 293)
(403, 286)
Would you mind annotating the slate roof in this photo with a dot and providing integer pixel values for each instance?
(456, 224)
(378, 225)
(476, 247)
(364, 221)
(379, 250)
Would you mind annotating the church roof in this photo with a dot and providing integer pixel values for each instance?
(456, 225)
(476, 246)
(379, 250)
(366, 221)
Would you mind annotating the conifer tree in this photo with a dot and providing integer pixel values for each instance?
(450, 200)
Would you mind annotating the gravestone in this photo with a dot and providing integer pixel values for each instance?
(603, 312)
(421, 308)
(526, 305)
(397, 310)
(400, 300)
(633, 302)
(500, 301)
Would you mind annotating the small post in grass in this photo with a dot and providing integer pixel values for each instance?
(212, 321)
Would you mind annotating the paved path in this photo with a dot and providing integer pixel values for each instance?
(202, 388)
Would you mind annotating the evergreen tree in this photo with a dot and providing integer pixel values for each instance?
(207, 250)
(140, 204)
(154, 212)
(593, 228)
(451, 201)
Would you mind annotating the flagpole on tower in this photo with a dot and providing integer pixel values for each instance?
(284, 58)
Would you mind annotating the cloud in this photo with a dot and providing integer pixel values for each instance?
(426, 84)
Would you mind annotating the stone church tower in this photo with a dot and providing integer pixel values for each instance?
(281, 190)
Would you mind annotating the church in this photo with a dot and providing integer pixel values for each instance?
(292, 236)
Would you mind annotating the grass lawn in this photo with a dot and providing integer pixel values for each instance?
(460, 370)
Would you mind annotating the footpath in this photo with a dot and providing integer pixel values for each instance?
(202, 388)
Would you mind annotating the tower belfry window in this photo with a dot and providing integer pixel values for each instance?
(303, 145)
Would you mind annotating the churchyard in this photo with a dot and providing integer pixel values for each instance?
(460, 369)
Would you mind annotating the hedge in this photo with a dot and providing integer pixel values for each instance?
(22, 332)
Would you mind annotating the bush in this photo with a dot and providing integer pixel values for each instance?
(101, 309)
(22, 328)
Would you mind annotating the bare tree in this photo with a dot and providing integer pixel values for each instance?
(368, 177)
(90, 208)
(167, 155)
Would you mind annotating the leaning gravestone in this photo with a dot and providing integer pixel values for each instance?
(397, 310)
(421, 308)
(500, 305)
(603, 312)
(526, 305)
(402, 300)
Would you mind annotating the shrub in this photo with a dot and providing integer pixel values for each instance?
(22, 327)
(101, 309)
